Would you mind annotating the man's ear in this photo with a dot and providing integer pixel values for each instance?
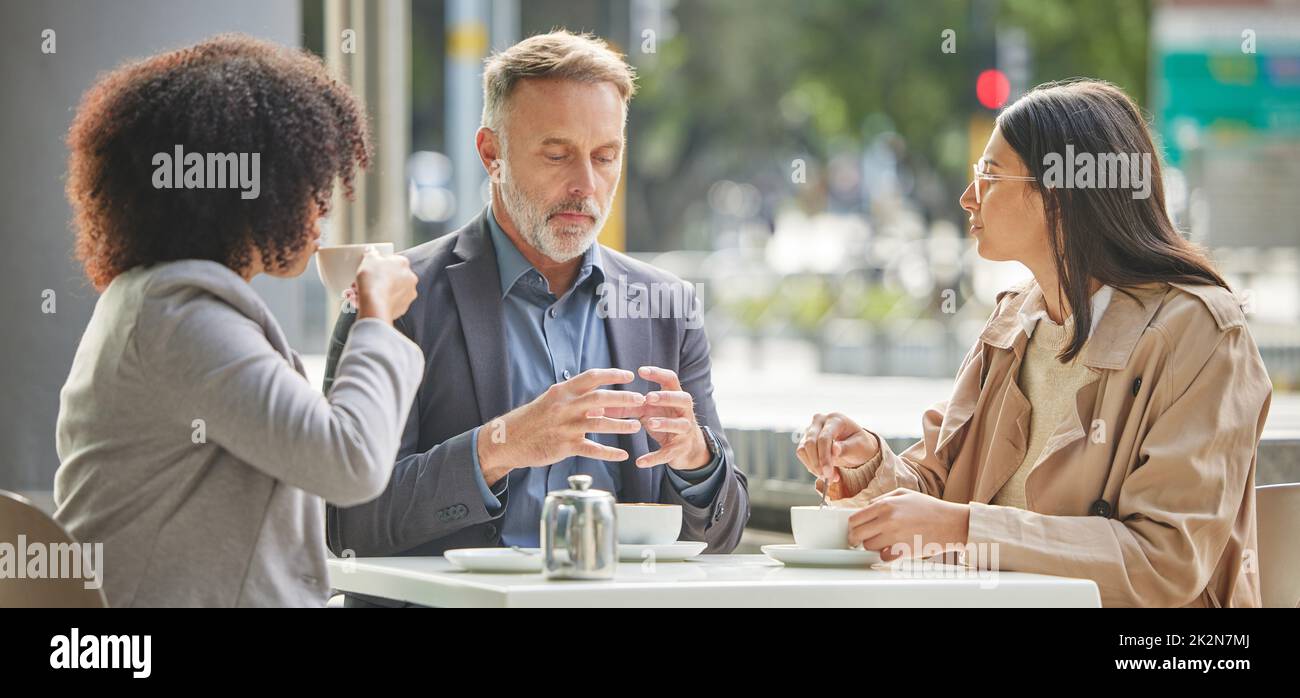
(489, 149)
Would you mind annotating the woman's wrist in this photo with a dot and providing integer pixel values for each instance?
(963, 524)
(368, 308)
(875, 441)
(871, 439)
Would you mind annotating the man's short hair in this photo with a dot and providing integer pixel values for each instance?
(559, 54)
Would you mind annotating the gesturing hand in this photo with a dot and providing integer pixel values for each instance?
(668, 416)
(555, 425)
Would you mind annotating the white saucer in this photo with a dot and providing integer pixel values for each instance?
(669, 552)
(796, 556)
(495, 560)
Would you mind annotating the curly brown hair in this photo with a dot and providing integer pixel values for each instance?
(231, 93)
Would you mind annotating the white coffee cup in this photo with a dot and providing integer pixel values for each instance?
(649, 524)
(821, 528)
(338, 264)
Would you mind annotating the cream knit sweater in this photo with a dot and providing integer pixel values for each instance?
(1050, 386)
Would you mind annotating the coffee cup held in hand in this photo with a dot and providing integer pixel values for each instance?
(821, 528)
(338, 264)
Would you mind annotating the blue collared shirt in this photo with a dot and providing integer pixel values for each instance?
(549, 340)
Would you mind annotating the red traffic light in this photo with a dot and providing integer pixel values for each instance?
(992, 88)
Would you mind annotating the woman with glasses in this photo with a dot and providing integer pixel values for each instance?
(1105, 423)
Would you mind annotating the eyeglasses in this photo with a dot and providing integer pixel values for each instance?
(980, 174)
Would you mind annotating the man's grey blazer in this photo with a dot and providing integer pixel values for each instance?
(432, 502)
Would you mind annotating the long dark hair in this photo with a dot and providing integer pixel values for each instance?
(1101, 233)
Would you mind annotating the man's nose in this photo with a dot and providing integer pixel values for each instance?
(582, 181)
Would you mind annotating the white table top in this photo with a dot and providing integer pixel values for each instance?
(712, 581)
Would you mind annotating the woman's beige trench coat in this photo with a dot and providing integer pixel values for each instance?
(1148, 489)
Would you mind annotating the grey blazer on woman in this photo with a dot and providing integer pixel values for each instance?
(194, 448)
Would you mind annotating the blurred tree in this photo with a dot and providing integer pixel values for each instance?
(748, 86)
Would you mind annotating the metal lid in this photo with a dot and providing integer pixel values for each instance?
(580, 488)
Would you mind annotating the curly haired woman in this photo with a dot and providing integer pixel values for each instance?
(192, 445)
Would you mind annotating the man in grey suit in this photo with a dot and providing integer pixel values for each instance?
(547, 354)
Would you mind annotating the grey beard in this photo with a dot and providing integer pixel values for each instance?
(532, 222)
